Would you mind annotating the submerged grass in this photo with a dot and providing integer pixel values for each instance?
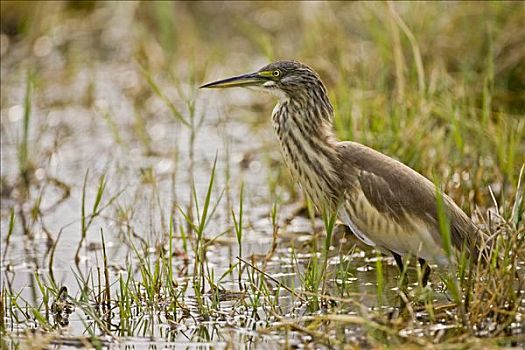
(414, 81)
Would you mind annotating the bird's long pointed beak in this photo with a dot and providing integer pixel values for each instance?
(251, 79)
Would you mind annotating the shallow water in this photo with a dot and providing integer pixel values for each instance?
(69, 140)
(93, 116)
(73, 137)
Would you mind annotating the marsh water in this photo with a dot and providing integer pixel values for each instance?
(106, 165)
(101, 120)
(73, 142)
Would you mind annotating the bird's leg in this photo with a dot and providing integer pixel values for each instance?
(403, 283)
(426, 271)
(399, 262)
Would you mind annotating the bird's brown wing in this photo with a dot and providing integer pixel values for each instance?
(400, 192)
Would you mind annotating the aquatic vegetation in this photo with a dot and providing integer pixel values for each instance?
(136, 212)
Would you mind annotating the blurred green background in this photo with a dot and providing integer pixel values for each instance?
(93, 99)
(439, 85)
(350, 43)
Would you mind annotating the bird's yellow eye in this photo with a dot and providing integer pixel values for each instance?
(276, 73)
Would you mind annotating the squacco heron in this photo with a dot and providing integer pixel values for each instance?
(385, 203)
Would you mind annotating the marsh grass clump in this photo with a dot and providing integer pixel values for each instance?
(132, 211)
(496, 294)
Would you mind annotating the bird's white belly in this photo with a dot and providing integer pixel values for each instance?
(345, 218)
(376, 229)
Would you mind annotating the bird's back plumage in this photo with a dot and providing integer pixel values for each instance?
(396, 207)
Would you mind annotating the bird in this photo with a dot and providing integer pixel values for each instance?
(385, 203)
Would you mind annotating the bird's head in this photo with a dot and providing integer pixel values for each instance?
(285, 79)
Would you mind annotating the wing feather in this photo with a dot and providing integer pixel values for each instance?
(401, 193)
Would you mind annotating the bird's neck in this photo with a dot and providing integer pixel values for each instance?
(308, 144)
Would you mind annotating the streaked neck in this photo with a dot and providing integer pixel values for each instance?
(305, 133)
